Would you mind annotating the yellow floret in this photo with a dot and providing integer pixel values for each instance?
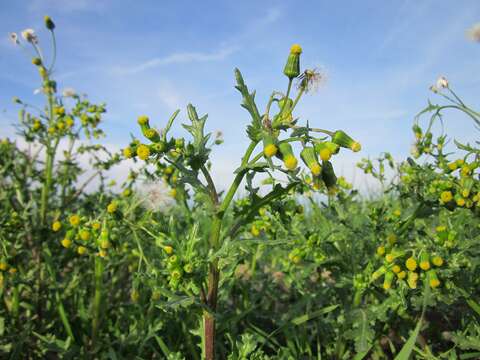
(105, 244)
(270, 150)
(446, 196)
(74, 220)
(81, 250)
(316, 169)
(143, 120)
(325, 154)
(411, 264)
(112, 207)
(57, 225)
(381, 250)
(425, 265)
(143, 152)
(356, 147)
(85, 235)
(66, 243)
(127, 152)
(437, 261)
(296, 49)
(290, 162)
(168, 249)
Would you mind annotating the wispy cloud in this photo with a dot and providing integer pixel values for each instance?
(170, 97)
(67, 6)
(273, 14)
(177, 58)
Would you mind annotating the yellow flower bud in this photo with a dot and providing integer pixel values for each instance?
(437, 261)
(105, 244)
(134, 296)
(143, 152)
(446, 196)
(127, 152)
(143, 120)
(381, 250)
(270, 150)
(56, 226)
(81, 250)
(85, 235)
(254, 230)
(66, 243)
(411, 264)
(112, 207)
(74, 220)
(290, 162)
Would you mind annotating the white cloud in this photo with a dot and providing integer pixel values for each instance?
(177, 58)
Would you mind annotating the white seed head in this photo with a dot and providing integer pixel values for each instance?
(218, 136)
(156, 196)
(311, 79)
(69, 92)
(474, 33)
(442, 82)
(30, 36)
(13, 38)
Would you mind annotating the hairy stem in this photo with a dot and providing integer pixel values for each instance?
(214, 272)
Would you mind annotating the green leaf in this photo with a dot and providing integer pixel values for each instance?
(254, 131)
(407, 349)
(200, 139)
(309, 316)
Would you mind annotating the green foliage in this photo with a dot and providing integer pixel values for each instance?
(301, 267)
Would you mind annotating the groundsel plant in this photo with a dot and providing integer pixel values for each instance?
(272, 132)
(40, 182)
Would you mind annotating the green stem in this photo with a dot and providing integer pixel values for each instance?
(50, 153)
(289, 88)
(297, 99)
(54, 58)
(208, 340)
(97, 299)
(211, 185)
(58, 299)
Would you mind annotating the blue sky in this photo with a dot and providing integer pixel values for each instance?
(151, 57)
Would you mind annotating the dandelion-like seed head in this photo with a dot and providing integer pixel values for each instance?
(218, 135)
(473, 33)
(155, 196)
(13, 38)
(310, 80)
(442, 82)
(30, 36)
(69, 92)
